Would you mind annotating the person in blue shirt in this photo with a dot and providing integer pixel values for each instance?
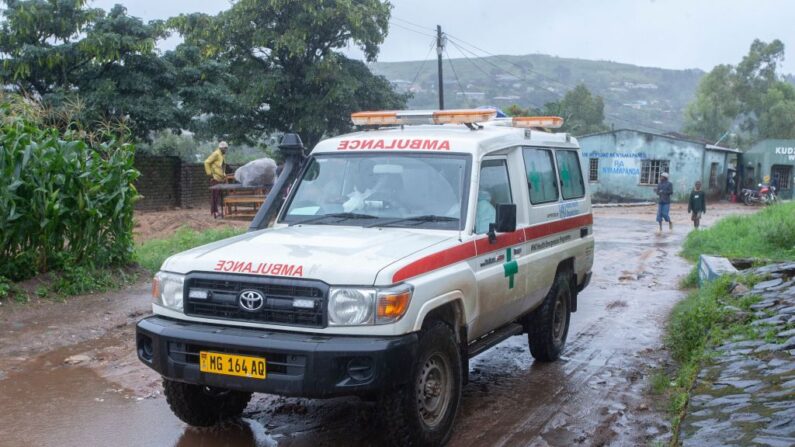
(664, 191)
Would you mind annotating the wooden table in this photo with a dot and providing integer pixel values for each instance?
(241, 201)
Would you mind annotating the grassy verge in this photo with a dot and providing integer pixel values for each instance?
(708, 316)
(79, 280)
(151, 254)
(768, 234)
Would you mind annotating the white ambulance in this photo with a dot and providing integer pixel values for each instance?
(399, 253)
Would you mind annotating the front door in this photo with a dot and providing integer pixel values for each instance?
(496, 266)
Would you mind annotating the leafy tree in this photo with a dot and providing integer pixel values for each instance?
(516, 110)
(581, 111)
(750, 97)
(284, 70)
(716, 106)
(105, 64)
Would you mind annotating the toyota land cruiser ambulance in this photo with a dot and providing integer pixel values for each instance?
(400, 252)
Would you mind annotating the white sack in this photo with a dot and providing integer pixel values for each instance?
(259, 172)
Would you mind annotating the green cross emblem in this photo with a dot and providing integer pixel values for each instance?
(510, 267)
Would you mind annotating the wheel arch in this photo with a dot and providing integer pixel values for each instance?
(567, 266)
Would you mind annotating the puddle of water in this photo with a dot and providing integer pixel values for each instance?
(56, 405)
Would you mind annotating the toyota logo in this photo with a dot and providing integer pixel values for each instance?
(251, 300)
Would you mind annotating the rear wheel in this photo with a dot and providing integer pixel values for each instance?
(422, 412)
(548, 326)
(203, 406)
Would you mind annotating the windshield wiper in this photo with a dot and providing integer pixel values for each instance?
(342, 216)
(418, 219)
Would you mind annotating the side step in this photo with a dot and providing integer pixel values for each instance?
(493, 338)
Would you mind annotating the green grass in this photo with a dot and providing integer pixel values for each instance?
(768, 234)
(80, 279)
(697, 322)
(691, 280)
(151, 254)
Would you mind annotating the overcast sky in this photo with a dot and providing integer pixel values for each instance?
(655, 33)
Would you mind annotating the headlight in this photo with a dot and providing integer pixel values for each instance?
(351, 307)
(167, 290)
(364, 306)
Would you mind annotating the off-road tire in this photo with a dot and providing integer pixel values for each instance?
(401, 411)
(545, 335)
(202, 406)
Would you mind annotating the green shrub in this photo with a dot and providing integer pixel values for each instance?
(61, 200)
(5, 287)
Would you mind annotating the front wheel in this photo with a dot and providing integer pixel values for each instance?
(203, 406)
(548, 325)
(422, 412)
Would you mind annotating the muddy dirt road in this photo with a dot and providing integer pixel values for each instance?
(69, 376)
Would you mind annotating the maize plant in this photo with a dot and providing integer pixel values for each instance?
(61, 201)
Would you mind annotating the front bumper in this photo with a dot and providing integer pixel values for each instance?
(298, 364)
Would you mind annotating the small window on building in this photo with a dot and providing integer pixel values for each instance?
(781, 175)
(713, 175)
(541, 178)
(570, 174)
(593, 169)
(650, 171)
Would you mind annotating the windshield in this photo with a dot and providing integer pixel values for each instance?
(402, 190)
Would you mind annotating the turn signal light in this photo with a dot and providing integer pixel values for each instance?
(155, 288)
(393, 306)
(549, 122)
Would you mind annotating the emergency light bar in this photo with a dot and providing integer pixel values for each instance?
(408, 117)
(549, 122)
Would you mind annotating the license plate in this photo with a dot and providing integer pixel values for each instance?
(232, 365)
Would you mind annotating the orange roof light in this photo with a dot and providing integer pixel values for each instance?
(408, 117)
(549, 122)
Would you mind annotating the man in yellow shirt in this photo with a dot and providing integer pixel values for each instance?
(215, 168)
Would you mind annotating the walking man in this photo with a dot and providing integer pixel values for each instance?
(215, 167)
(664, 190)
(697, 205)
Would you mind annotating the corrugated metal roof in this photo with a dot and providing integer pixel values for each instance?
(670, 135)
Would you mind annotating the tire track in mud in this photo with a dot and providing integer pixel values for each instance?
(596, 394)
(560, 384)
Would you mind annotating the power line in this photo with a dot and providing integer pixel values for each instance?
(458, 81)
(409, 29)
(422, 64)
(409, 22)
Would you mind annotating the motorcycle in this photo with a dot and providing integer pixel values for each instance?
(764, 195)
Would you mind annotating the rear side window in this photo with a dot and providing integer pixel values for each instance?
(571, 184)
(541, 178)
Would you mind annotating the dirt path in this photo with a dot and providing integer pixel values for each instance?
(70, 376)
(161, 224)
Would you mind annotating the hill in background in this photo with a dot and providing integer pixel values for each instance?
(651, 99)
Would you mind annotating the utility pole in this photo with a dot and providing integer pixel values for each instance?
(439, 48)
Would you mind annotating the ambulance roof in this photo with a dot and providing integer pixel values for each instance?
(445, 138)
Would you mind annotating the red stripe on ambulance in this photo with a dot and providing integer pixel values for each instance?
(482, 246)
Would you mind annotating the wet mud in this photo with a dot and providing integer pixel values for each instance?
(70, 377)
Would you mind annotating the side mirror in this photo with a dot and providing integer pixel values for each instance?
(505, 221)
